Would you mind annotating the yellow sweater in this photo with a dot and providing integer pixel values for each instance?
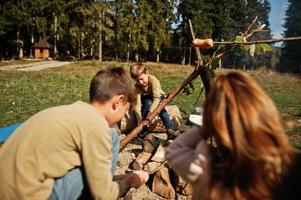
(51, 143)
(154, 90)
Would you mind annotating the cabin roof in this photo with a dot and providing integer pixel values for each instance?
(42, 45)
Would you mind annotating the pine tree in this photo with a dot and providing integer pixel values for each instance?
(162, 17)
(124, 26)
(224, 24)
(200, 13)
(290, 60)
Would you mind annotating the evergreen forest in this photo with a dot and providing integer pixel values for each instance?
(145, 30)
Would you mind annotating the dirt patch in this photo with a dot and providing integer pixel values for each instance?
(35, 66)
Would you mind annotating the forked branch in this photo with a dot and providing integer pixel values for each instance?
(259, 41)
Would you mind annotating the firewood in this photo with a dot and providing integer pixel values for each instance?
(161, 184)
(151, 166)
(141, 159)
(181, 186)
(150, 143)
(159, 155)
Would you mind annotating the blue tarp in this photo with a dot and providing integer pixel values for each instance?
(7, 131)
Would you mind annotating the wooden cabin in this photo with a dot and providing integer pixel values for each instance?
(42, 49)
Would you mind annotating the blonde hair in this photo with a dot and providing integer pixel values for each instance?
(137, 69)
(251, 150)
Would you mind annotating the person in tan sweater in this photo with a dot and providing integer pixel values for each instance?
(149, 96)
(65, 152)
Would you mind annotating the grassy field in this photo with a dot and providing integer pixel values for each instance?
(24, 93)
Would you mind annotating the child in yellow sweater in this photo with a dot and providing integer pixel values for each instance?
(149, 96)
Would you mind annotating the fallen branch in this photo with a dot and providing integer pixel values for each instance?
(249, 27)
(259, 41)
(159, 167)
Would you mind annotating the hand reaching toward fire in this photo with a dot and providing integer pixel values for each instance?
(188, 158)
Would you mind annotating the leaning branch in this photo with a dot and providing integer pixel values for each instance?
(249, 27)
(138, 129)
(259, 41)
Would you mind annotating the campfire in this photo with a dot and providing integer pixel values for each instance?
(149, 156)
(163, 180)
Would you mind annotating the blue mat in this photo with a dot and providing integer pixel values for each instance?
(7, 131)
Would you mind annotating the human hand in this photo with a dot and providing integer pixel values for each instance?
(187, 162)
(145, 123)
(142, 174)
(136, 178)
(189, 138)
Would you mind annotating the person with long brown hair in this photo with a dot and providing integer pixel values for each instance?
(241, 151)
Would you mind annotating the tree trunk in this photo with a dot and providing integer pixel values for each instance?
(31, 55)
(100, 38)
(189, 61)
(55, 36)
(158, 55)
(20, 52)
(78, 45)
(128, 55)
(116, 36)
(183, 60)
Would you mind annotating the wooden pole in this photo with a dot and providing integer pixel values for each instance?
(206, 76)
(259, 41)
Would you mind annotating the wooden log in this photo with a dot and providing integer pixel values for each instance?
(159, 155)
(205, 74)
(181, 186)
(151, 167)
(161, 184)
(150, 143)
(141, 159)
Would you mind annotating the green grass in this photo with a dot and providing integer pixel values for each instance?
(285, 91)
(22, 94)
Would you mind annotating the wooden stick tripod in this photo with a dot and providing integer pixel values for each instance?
(203, 70)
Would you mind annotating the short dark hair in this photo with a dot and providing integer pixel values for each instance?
(110, 82)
